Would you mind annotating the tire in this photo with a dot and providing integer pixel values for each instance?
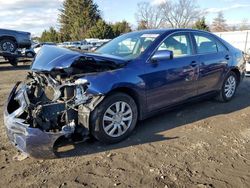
(8, 45)
(230, 84)
(111, 126)
(13, 61)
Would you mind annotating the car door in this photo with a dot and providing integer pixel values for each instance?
(169, 81)
(213, 57)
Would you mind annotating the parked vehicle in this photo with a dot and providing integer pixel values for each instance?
(98, 45)
(67, 45)
(81, 45)
(37, 47)
(86, 46)
(10, 40)
(29, 53)
(104, 94)
(77, 44)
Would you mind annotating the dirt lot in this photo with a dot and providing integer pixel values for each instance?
(206, 144)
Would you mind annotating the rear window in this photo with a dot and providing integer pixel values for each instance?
(205, 44)
(208, 44)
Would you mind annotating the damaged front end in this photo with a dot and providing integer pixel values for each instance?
(41, 111)
(51, 104)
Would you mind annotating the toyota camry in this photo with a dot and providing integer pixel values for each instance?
(103, 94)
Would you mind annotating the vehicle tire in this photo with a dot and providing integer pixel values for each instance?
(13, 61)
(8, 45)
(229, 88)
(114, 118)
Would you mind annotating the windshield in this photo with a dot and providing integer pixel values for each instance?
(129, 46)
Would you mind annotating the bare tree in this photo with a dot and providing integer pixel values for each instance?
(181, 13)
(219, 23)
(244, 24)
(148, 16)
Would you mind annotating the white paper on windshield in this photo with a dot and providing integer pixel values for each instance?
(150, 35)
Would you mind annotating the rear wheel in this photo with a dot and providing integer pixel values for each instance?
(229, 87)
(8, 45)
(114, 119)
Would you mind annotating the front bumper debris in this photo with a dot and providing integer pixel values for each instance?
(32, 141)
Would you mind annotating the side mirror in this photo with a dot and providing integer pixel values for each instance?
(162, 55)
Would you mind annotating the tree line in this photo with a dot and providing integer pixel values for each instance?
(79, 19)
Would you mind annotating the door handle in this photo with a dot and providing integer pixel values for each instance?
(227, 57)
(193, 64)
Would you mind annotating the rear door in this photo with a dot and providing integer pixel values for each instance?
(213, 58)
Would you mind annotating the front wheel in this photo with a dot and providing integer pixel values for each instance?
(8, 45)
(114, 119)
(229, 87)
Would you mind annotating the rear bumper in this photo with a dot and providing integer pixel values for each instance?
(32, 141)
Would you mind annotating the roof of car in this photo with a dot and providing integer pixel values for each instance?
(161, 31)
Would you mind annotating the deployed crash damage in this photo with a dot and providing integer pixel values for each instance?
(54, 101)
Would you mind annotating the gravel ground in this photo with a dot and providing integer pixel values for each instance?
(204, 144)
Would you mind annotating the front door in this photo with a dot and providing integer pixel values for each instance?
(172, 80)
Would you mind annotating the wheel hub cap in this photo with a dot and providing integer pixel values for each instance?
(7, 46)
(230, 86)
(117, 119)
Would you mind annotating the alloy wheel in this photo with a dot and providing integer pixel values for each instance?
(8, 46)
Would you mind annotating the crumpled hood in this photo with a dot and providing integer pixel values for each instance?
(52, 58)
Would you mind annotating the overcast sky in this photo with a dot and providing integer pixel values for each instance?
(37, 15)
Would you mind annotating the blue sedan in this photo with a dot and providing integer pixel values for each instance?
(103, 94)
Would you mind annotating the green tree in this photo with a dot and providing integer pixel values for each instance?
(120, 28)
(201, 25)
(101, 30)
(76, 17)
(50, 36)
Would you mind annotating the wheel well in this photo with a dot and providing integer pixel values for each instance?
(8, 37)
(237, 72)
(131, 93)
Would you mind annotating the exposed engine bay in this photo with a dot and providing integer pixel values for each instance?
(54, 104)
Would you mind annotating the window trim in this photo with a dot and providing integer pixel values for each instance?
(209, 36)
(193, 42)
(187, 33)
(218, 41)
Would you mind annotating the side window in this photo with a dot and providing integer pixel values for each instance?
(205, 44)
(179, 44)
(221, 47)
